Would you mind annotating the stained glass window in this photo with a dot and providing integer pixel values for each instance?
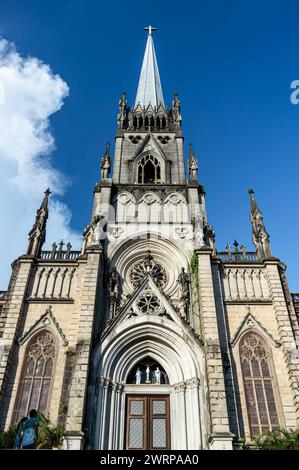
(258, 384)
(37, 374)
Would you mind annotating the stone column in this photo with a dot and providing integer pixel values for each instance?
(113, 414)
(192, 406)
(78, 387)
(13, 310)
(178, 417)
(220, 436)
(118, 408)
(286, 334)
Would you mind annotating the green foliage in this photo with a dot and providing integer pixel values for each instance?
(7, 438)
(49, 435)
(276, 440)
(194, 268)
(63, 408)
(70, 352)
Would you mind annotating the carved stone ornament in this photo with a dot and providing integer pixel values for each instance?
(180, 387)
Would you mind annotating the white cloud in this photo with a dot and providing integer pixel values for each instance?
(30, 94)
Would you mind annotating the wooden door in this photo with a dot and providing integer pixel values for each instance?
(147, 422)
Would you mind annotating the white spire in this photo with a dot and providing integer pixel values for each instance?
(149, 87)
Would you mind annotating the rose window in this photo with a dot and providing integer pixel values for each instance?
(148, 303)
(148, 265)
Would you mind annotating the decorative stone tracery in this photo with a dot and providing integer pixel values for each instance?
(148, 266)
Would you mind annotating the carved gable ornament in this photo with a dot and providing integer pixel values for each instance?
(149, 145)
(251, 323)
(47, 320)
(148, 301)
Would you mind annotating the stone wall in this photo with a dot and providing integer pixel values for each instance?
(251, 297)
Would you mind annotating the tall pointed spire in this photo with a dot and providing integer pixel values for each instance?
(149, 87)
(260, 236)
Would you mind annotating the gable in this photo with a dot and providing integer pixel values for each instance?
(48, 321)
(145, 302)
(251, 323)
(149, 145)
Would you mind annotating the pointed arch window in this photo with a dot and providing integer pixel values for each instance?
(37, 375)
(149, 170)
(257, 371)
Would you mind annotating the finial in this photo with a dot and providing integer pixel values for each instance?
(252, 199)
(107, 148)
(260, 235)
(148, 260)
(48, 192)
(243, 249)
(236, 245)
(229, 250)
(49, 310)
(192, 163)
(150, 29)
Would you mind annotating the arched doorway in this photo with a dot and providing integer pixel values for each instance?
(131, 344)
(147, 425)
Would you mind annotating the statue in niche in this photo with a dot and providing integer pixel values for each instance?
(138, 376)
(184, 282)
(148, 374)
(114, 285)
(157, 376)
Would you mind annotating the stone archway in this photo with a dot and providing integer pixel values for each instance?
(180, 356)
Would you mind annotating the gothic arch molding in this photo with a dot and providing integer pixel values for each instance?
(125, 255)
(160, 159)
(160, 338)
(181, 358)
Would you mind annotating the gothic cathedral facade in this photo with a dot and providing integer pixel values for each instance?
(148, 337)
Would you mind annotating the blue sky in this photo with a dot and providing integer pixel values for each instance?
(231, 62)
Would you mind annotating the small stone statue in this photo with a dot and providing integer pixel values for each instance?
(157, 376)
(147, 375)
(106, 163)
(138, 376)
(97, 229)
(209, 235)
(192, 164)
(199, 237)
(114, 285)
(184, 282)
(121, 110)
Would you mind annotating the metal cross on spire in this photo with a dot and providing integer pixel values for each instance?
(150, 29)
(149, 87)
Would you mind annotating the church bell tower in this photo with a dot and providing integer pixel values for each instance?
(151, 221)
